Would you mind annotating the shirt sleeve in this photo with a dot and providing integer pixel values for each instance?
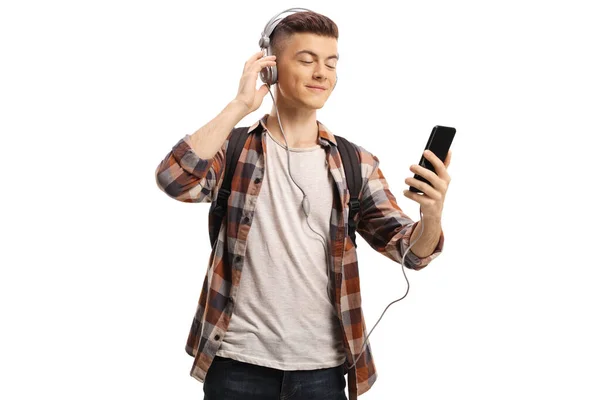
(186, 177)
(383, 224)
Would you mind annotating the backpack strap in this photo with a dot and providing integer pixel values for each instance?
(349, 154)
(237, 140)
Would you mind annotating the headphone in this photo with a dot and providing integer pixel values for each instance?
(269, 74)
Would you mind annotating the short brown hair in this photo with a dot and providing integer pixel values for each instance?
(305, 21)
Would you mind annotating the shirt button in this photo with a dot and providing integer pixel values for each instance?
(245, 220)
(257, 180)
(217, 337)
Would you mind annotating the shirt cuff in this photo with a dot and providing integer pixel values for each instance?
(187, 158)
(412, 260)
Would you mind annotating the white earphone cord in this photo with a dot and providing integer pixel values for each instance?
(307, 205)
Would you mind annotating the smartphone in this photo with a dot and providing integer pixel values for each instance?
(439, 143)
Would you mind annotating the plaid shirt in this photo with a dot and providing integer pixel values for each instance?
(186, 177)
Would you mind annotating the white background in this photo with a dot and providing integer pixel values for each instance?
(101, 271)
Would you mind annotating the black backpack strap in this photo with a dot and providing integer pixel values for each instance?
(237, 140)
(352, 169)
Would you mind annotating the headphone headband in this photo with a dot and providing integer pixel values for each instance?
(265, 41)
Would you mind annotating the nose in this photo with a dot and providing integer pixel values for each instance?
(319, 73)
(319, 68)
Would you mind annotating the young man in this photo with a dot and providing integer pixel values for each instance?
(293, 326)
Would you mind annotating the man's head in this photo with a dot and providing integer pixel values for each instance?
(305, 44)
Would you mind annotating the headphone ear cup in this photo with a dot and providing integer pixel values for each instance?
(268, 74)
(273, 74)
(264, 75)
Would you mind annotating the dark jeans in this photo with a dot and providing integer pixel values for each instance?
(229, 379)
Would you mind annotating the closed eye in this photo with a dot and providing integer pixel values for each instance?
(310, 62)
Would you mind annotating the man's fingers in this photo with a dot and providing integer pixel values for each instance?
(254, 57)
(263, 90)
(264, 63)
(438, 165)
(261, 62)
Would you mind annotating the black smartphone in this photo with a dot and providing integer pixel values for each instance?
(439, 143)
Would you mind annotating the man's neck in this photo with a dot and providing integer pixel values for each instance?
(300, 127)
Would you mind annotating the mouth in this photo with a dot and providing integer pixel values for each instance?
(316, 88)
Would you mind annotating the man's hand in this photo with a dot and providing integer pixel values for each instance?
(432, 199)
(248, 96)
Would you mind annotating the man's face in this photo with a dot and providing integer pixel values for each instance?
(305, 60)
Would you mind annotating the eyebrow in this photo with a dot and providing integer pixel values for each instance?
(337, 57)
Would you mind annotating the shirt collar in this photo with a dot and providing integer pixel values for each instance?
(325, 134)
